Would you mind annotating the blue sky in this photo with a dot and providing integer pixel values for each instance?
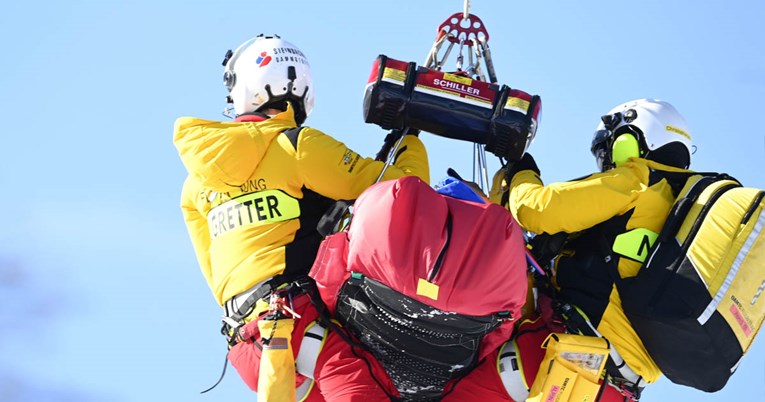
(101, 296)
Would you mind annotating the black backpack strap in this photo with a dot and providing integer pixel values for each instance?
(677, 180)
(292, 134)
(335, 213)
(505, 201)
(681, 207)
(690, 199)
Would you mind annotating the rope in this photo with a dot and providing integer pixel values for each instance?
(222, 374)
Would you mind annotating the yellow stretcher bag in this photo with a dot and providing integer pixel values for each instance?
(695, 302)
(573, 369)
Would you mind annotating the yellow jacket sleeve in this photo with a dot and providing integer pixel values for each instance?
(333, 170)
(575, 205)
(196, 225)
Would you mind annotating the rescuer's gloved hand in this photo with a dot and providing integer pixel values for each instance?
(526, 163)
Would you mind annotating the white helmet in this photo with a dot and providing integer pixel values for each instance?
(266, 72)
(658, 132)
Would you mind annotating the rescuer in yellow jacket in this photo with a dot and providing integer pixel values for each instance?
(611, 218)
(255, 192)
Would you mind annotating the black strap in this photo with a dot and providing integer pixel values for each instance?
(260, 293)
(308, 285)
(575, 322)
(292, 134)
(683, 205)
(334, 214)
(388, 143)
(753, 207)
(505, 201)
(704, 211)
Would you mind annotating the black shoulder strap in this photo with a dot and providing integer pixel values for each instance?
(690, 199)
(292, 134)
(683, 205)
(505, 201)
(335, 213)
(677, 180)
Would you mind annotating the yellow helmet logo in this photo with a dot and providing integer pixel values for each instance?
(678, 131)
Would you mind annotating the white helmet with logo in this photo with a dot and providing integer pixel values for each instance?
(267, 72)
(657, 132)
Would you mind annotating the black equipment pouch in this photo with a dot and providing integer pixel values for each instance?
(440, 346)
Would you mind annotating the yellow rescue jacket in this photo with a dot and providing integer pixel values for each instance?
(253, 195)
(634, 192)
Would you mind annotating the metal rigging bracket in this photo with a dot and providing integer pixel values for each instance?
(459, 102)
(466, 30)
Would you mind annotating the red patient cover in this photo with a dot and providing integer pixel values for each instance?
(399, 229)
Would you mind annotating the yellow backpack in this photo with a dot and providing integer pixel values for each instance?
(573, 369)
(695, 302)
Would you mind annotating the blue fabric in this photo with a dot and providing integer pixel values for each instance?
(458, 189)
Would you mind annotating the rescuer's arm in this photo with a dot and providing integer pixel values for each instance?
(574, 205)
(333, 170)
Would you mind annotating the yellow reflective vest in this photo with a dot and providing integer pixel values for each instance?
(636, 194)
(254, 194)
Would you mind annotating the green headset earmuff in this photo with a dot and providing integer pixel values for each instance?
(624, 147)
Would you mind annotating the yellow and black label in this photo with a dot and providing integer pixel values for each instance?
(521, 105)
(252, 209)
(458, 78)
(635, 244)
(394, 74)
